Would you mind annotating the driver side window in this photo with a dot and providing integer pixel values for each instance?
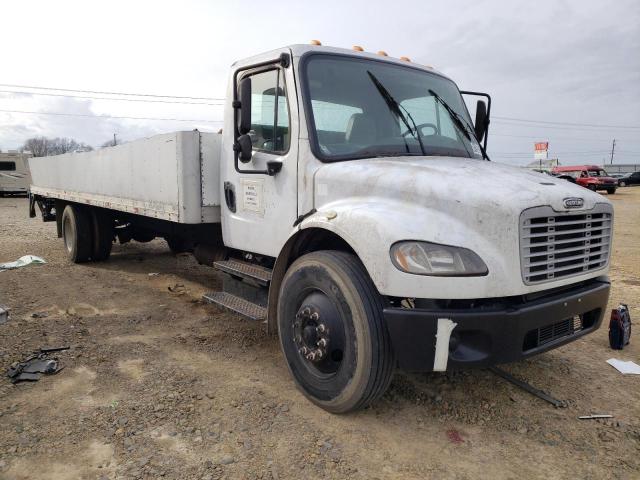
(269, 112)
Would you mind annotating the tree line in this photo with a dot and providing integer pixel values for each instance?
(44, 146)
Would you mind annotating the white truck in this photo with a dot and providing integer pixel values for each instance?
(351, 205)
(14, 174)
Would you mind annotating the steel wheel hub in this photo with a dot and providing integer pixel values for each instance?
(318, 333)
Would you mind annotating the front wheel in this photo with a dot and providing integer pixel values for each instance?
(611, 191)
(332, 331)
(591, 187)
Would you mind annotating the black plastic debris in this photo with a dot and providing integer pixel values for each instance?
(32, 368)
(620, 327)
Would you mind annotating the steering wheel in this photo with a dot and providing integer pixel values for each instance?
(421, 126)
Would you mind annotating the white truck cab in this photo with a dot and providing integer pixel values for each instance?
(14, 173)
(358, 214)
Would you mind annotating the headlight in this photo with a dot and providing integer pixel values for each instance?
(424, 258)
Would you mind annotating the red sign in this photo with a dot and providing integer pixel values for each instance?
(542, 146)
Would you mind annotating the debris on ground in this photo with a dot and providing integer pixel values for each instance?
(153, 274)
(4, 314)
(532, 390)
(30, 369)
(594, 416)
(178, 289)
(22, 262)
(454, 436)
(39, 315)
(625, 367)
(620, 327)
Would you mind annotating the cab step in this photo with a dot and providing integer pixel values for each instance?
(243, 307)
(250, 271)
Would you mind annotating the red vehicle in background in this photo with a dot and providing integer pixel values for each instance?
(592, 177)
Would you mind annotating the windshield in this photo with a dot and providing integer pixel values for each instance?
(365, 108)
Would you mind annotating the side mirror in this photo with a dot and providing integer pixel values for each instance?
(480, 126)
(244, 91)
(244, 147)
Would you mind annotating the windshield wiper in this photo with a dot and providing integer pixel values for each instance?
(459, 122)
(395, 107)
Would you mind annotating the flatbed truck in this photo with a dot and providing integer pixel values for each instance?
(351, 205)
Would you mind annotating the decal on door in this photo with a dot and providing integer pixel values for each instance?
(253, 196)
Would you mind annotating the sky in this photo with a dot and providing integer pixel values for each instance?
(566, 62)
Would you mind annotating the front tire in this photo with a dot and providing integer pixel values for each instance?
(332, 331)
(611, 191)
(77, 233)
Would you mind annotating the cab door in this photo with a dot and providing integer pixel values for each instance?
(259, 204)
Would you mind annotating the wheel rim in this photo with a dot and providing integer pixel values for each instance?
(622, 184)
(68, 232)
(318, 335)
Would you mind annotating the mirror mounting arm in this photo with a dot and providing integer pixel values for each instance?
(488, 116)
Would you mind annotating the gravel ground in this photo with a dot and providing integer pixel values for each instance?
(158, 385)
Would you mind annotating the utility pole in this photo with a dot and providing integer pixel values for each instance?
(115, 143)
(613, 148)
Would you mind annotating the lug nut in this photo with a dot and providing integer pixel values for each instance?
(315, 316)
(306, 311)
(323, 342)
(321, 328)
(303, 351)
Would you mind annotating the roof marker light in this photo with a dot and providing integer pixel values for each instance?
(315, 42)
(357, 48)
(405, 59)
(383, 53)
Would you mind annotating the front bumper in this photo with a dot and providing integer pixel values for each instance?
(499, 330)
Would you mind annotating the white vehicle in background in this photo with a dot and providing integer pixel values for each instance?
(14, 173)
(351, 206)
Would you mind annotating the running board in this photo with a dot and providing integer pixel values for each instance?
(238, 305)
(245, 270)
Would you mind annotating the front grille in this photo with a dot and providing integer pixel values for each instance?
(541, 336)
(558, 245)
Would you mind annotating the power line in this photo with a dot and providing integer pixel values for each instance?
(552, 127)
(537, 137)
(111, 98)
(565, 123)
(554, 152)
(111, 116)
(108, 93)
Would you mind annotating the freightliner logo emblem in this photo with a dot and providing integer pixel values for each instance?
(573, 202)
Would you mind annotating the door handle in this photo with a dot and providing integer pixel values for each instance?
(230, 196)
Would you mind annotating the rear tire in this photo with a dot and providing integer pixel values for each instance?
(77, 233)
(329, 295)
(102, 225)
(611, 191)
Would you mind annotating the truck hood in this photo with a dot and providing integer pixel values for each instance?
(468, 203)
(447, 184)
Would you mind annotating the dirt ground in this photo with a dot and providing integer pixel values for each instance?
(159, 385)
